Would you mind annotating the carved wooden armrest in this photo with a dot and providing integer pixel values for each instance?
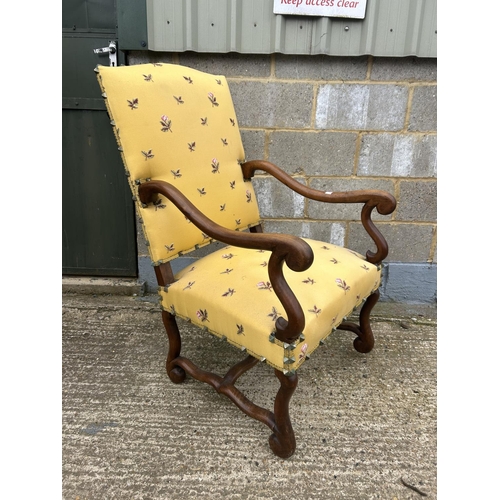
(384, 202)
(297, 254)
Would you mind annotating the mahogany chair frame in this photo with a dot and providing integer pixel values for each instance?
(298, 256)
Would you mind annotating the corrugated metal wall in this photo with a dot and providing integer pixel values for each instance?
(392, 28)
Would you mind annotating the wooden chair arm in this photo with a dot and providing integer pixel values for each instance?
(297, 254)
(383, 201)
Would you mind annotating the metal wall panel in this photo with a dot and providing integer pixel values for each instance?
(132, 25)
(88, 16)
(391, 28)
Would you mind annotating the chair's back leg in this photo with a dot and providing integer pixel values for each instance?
(164, 274)
(364, 341)
(165, 277)
(175, 373)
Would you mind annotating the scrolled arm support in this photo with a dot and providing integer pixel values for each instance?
(293, 251)
(384, 202)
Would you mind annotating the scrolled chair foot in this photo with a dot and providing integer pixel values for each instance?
(176, 374)
(364, 345)
(283, 448)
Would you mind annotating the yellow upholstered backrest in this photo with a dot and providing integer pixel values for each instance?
(176, 124)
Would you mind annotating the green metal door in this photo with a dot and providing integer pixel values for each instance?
(98, 220)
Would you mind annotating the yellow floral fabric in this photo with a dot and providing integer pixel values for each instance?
(177, 124)
(229, 293)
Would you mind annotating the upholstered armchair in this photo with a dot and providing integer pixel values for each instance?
(275, 297)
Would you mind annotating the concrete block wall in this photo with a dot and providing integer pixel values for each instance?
(336, 124)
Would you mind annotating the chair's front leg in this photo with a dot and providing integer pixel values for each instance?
(176, 373)
(282, 440)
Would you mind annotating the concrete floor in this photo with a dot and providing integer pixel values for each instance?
(363, 423)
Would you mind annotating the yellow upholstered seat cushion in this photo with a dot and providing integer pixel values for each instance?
(229, 293)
